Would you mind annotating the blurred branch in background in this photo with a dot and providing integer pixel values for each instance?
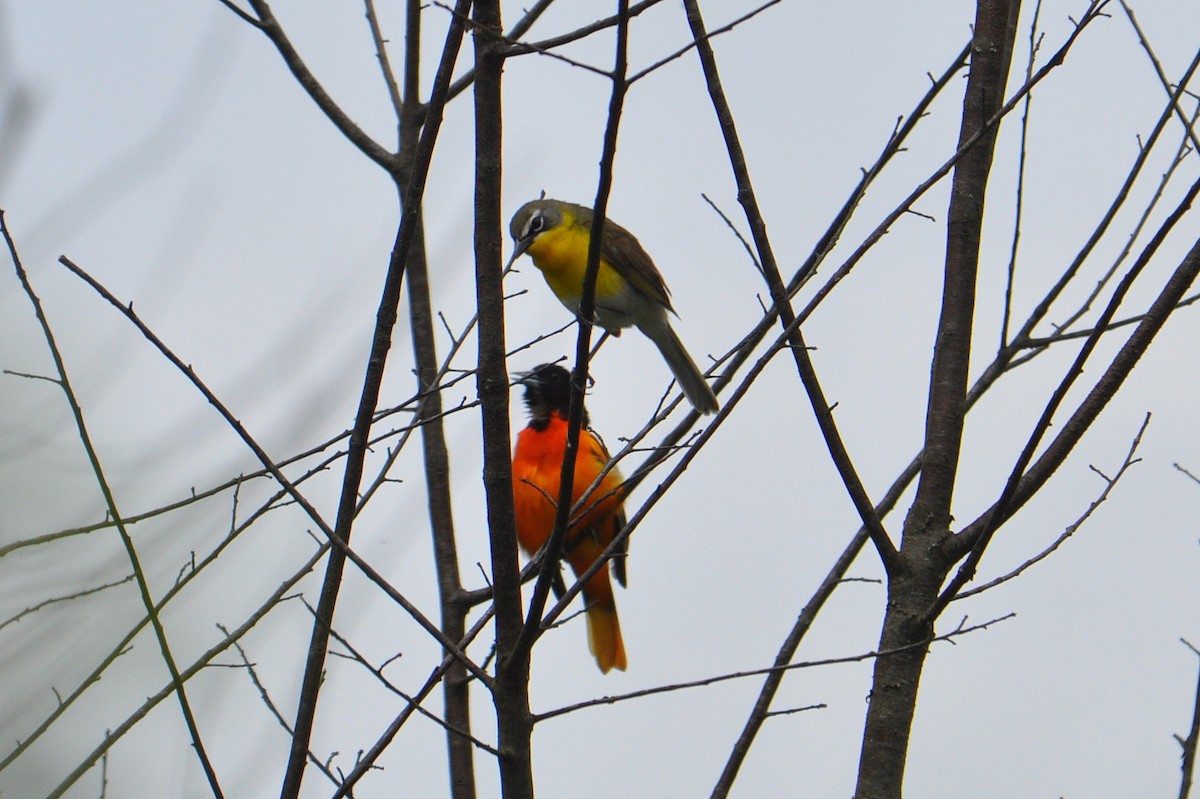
(110, 502)
(17, 105)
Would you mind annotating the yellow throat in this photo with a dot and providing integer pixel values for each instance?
(561, 253)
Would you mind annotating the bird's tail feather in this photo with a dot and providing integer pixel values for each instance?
(604, 638)
(687, 374)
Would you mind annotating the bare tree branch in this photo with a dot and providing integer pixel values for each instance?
(412, 189)
(916, 578)
(579, 375)
(110, 502)
(1023, 484)
(1188, 744)
(202, 662)
(782, 305)
(962, 629)
(270, 26)
(1109, 484)
(16, 617)
(1018, 200)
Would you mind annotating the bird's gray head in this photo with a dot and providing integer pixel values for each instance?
(530, 220)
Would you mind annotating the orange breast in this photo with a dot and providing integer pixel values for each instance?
(537, 472)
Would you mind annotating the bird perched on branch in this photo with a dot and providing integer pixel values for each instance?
(537, 477)
(629, 289)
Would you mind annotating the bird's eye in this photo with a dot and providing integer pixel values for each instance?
(536, 225)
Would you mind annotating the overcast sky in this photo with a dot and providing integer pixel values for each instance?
(166, 150)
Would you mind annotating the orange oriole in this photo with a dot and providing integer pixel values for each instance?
(630, 291)
(537, 476)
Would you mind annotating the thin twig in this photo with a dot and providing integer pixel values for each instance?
(515, 32)
(1034, 42)
(66, 598)
(367, 761)
(1162, 76)
(961, 630)
(385, 65)
(1189, 743)
(708, 37)
(1179, 468)
(252, 673)
(377, 671)
(1109, 484)
(1058, 338)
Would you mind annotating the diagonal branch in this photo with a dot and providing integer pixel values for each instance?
(1055, 61)
(708, 37)
(587, 305)
(929, 518)
(1110, 483)
(1022, 484)
(962, 629)
(270, 26)
(782, 304)
(1188, 125)
(367, 760)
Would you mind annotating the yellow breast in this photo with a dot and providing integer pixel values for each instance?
(561, 254)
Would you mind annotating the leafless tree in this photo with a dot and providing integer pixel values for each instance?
(487, 632)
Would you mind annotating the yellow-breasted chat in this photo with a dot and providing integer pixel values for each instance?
(630, 292)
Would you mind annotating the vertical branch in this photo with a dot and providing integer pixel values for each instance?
(977, 538)
(1043, 307)
(1020, 192)
(913, 586)
(510, 692)
(1189, 743)
(995, 27)
(583, 342)
(385, 321)
(456, 685)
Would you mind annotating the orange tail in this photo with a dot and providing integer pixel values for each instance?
(604, 638)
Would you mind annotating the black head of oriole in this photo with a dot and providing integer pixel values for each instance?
(537, 477)
(630, 292)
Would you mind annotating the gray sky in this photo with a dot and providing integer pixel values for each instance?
(166, 150)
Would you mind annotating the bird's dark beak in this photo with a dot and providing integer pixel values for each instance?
(520, 378)
(519, 248)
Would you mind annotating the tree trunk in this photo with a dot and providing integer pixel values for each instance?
(913, 586)
(510, 691)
